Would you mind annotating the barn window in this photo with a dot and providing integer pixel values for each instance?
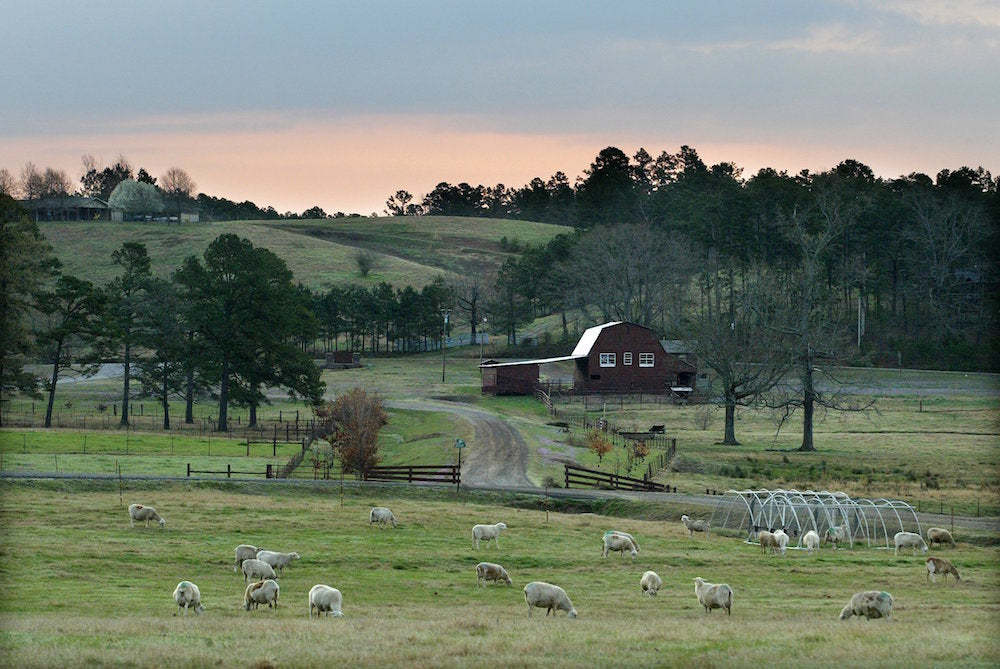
(608, 359)
(627, 358)
(646, 359)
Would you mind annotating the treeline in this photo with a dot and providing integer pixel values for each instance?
(910, 264)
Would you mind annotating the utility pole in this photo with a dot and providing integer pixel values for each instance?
(444, 333)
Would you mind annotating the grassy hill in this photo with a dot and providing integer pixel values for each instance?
(412, 250)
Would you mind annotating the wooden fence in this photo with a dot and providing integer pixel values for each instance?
(450, 474)
(592, 478)
(229, 471)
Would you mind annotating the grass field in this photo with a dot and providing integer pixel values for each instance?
(83, 589)
(320, 253)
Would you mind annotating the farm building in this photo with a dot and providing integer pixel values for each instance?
(71, 208)
(616, 357)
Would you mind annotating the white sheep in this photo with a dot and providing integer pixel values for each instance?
(244, 552)
(187, 595)
(767, 541)
(909, 540)
(254, 569)
(325, 600)
(277, 560)
(613, 541)
(941, 566)
(487, 571)
(624, 534)
(870, 604)
(780, 541)
(695, 525)
(939, 535)
(382, 516)
(549, 597)
(810, 540)
(261, 592)
(651, 583)
(713, 596)
(837, 535)
(144, 513)
(487, 532)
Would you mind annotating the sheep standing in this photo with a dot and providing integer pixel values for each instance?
(941, 566)
(325, 600)
(938, 535)
(837, 535)
(549, 597)
(256, 569)
(261, 592)
(713, 596)
(810, 541)
(487, 532)
(651, 583)
(382, 516)
(277, 560)
(614, 541)
(624, 534)
(143, 513)
(487, 571)
(870, 604)
(695, 525)
(244, 552)
(767, 541)
(780, 541)
(187, 595)
(909, 540)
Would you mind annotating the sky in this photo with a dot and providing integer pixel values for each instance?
(340, 104)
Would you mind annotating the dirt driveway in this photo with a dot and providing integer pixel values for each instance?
(497, 457)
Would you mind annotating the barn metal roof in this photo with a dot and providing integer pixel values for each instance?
(537, 361)
(589, 338)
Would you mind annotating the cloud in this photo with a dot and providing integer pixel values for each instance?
(983, 13)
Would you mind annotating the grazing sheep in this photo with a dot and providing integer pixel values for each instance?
(651, 583)
(909, 540)
(254, 569)
(487, 571)
(870, 604)
(141, 513)
(382, 516)
(938, 535)
(619, 542)
(261, 592)
(277, 560)
(624, 534)
(713, 596)
(780, 541)
(767, 541)
(244, 552)
(549, 597)
(811, 541)
(487, 532)
(837, 535)
(941, 566)
(695, 525)
(325, 600)
(187, 594)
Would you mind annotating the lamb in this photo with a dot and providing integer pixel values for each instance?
(382, 516)
(870, 604)
(613, 541)
(651, 583)
(487, 571)
(713, 596)
(187, 595)
(767, 541)
(837, 535)
(254, 568)
(909, 540)
(277, 560)
(941, 566)
(780, 541)
(325, 600)
(937, 535)
(549, 597)
(244, 552)
(141, 513)
(487, 532)
(810, 541)
(261, 592)
(695, 525)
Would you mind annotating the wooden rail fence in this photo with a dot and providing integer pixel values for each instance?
(592, 478)
(229, 471)
(450, 474)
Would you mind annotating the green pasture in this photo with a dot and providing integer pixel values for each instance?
(82, 588)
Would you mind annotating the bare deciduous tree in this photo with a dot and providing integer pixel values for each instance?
(351, 424)
(178, 187)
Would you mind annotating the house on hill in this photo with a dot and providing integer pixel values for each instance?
(616, 357)
(71, 208)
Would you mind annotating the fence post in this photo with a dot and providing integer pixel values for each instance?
(566, 473)
(229, 471)
(189, 470)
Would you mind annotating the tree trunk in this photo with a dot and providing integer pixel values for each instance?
(253, 415)
(125, 389)
(808, 400)
(224, 396)
(189, 386)
(730, 438)
(165, 400)
(52, 387)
